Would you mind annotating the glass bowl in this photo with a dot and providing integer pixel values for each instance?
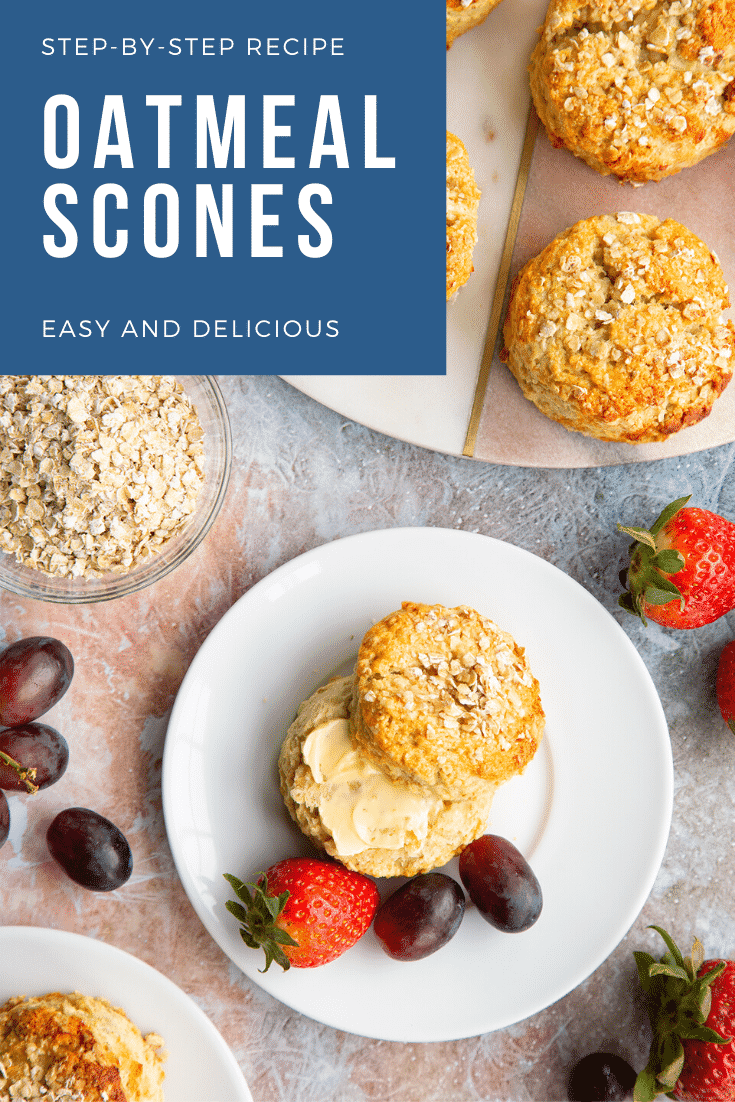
(207, 398)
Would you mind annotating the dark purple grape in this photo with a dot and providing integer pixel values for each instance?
(500, 883)
(420, 916)
(90, 849)
(34, 746)
(4, 819)
(34, 675)
(601, 1077)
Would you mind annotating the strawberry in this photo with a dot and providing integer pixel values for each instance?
(699, 548)
(303, 911)
(726, 685)
(691, 1005)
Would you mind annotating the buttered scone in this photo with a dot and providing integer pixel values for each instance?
(56, 1046)
(463, 201)
(393, 770)
(465, 14)
(615, 330)
(445, 699)
(637, 88)
(351, 809)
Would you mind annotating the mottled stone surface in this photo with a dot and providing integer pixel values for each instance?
(302, 476)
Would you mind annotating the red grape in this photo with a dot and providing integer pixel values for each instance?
(601, 1077)
(90, 849)
(34, 746)
(420, 916)
(34, 675)
(4, 819)
(500, 883)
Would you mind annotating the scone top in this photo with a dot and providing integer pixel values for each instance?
(637, 88)
(615, 329)
(444, 698)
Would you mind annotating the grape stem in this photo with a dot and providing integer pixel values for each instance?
(28, 776)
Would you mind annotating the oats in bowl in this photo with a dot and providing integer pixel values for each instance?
(97, 471)
(107, 482)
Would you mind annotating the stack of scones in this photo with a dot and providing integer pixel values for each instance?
(392, 770)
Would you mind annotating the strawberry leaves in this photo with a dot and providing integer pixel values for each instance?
(258, 912)
(679, 1001)
(648, 536)
(646, 1087)
(651, 563)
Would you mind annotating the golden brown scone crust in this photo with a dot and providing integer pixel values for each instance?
(462, 17)
(452, 826)
(637, 88)
(615, 329)
(444, 698)
(463, 201)
(57, 1046)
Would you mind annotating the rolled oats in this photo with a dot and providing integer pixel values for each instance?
(97, 472)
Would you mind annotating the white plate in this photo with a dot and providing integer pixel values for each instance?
(591, 812)
(200, 1065)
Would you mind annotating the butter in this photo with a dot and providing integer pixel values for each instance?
(325, 747)
(358, 805)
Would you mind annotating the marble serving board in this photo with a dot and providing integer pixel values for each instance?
(530, 192)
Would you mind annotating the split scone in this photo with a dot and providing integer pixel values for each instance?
(462, 15)
(615, 330)
(57, 1046)
(637, 88)
(463, 201)
(393, 771)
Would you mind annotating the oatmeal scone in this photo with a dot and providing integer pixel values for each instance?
(615, 329)
(350, 809)
(462, 15)
(637, 88)
(463, 201)
(58, 1046)
(446, 699)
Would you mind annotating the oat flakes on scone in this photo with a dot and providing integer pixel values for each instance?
(637, 88)
(616, 330)
(445, 698)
